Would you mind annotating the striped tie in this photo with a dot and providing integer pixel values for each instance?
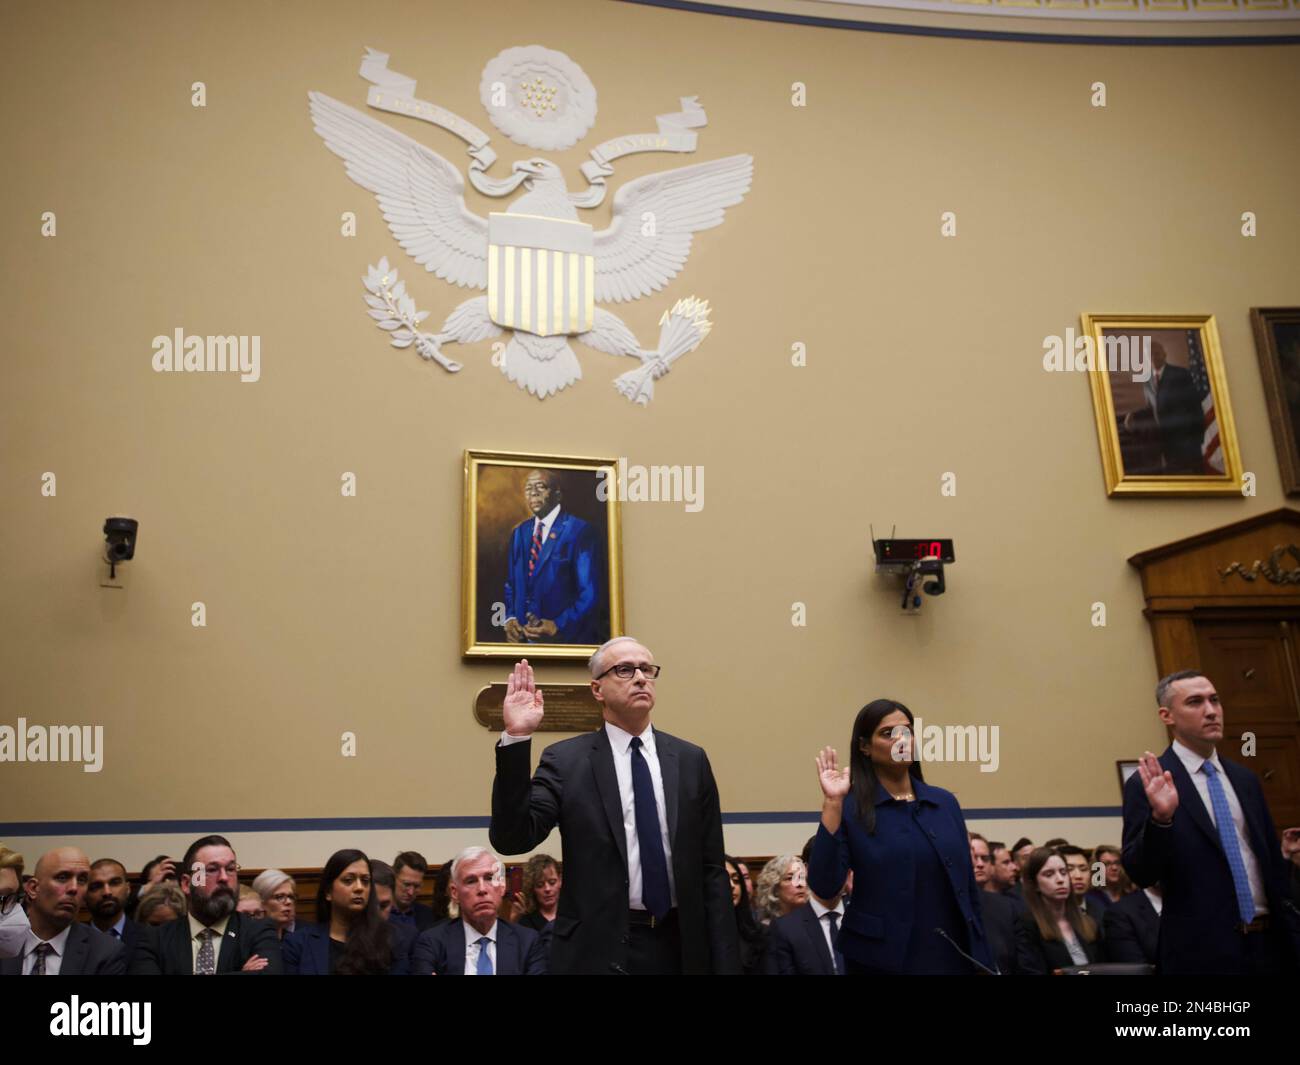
(1231, 845)
(41, 952)
(536, 548)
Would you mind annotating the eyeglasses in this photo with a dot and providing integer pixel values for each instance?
(626, 671)
(283, 899)
(214, 870)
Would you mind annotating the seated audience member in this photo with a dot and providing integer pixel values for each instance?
(802, 943)
(1117, 882)
(107, 893)
(478, 944)
(13, 917)
(57, 944)
(752, 940)
(279, 897)
(441, 903)
(1004, 876)
(1058, 842)
(212, 938)
(1020, 852)
(998, 910)
(1052, 932)
(155, 872)
(350, 937)
(250, 902)
(1291, 853)
(1080, 870)
(540, 899)
(160, 903)
(409, 868)
(782, 887)
(384, 884)
(1132, 926)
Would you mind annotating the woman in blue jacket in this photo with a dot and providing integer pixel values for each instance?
(915, 906)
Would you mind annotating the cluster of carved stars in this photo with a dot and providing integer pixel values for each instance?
(538, 96)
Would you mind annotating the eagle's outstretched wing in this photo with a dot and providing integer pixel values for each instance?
(420, 193)
(630, 264)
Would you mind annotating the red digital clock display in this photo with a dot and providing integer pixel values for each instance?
(913, 550)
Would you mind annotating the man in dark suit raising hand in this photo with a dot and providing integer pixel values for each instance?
(1198, 824)
(640, 823)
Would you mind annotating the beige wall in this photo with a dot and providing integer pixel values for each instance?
(924, 356)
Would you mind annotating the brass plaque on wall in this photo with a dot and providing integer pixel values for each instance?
(568, 708)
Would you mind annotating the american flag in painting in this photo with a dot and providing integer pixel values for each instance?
(1211, 450)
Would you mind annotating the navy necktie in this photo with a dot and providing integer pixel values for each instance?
(484, 966)
(833, 919)
(654, 866)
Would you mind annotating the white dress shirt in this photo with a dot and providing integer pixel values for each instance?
(1156, 901)
(1193, 763)
(196, 930)
(821, 912)
(621, 743)
(472, 947)
(53, 960)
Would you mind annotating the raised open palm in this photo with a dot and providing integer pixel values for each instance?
(522, 709)
(834, 781)
(1159, 786)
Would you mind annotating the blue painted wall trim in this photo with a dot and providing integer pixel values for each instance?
(951, 31)
(363, 824)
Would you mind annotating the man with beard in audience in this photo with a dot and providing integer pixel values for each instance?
(212, 938)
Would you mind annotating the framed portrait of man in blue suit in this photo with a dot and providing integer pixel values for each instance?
(542, 555)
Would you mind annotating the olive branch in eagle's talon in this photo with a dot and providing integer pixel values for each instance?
(394, 311)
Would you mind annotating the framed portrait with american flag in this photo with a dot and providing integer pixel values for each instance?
(1277, 343)
(1160, 397)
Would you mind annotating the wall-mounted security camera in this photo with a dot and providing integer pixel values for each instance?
(119, 538)
(920, 565)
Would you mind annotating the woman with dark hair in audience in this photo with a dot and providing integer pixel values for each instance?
(1052, 932)
(155, 872)
(1117, 882)
(916, 906)
(441, 902)
(752, 939)
(351, 938)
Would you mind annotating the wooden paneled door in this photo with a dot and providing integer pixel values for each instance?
(1255, 665)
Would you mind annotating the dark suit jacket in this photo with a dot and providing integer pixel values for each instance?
(441, 950)
(132, 933)
(541, 926)
(87, 952)
(999, 913)
(1132, 929)
(307, 950)
(878, 926)
(1198, 923)
(165, 949)
(423, 916)
(1036, 956)
(796, 945)
(1182, 422)
(566, 582)
(575, 786)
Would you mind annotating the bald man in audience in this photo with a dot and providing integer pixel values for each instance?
(57, 944)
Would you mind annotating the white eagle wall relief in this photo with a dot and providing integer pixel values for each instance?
(544, 269)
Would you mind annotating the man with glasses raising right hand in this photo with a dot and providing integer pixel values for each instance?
(645, 890)
(213, 938)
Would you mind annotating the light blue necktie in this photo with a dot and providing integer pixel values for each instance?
(484, 967)
(1231, 846)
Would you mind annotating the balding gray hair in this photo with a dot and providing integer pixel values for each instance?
(594, 662)
(1165, 683)
(470, 854)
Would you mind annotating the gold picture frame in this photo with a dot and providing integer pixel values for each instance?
(1191, 448)
(1277, 343)
(575, 556)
